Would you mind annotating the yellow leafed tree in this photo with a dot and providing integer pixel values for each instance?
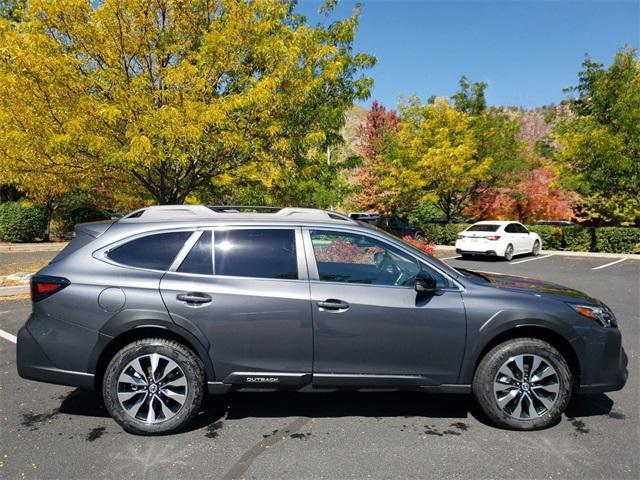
(434, 157)
(166, 95)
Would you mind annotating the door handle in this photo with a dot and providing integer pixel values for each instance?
(334, 305)
(194, 298)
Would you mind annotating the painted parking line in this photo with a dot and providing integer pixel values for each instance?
(451, 258)
(609, 264)
(8, 336)
(531, 259)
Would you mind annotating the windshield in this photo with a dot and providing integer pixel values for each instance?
(483, 227)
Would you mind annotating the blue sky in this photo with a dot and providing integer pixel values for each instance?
(527, 51)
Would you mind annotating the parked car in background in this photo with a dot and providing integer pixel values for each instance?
(398, 226)
(557, 223)
(498, 239)
(171, 302)
(361, 215)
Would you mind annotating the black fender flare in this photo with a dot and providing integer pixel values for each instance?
(128, 321)
(506, 321)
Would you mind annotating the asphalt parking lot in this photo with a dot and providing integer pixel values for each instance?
(50, 431)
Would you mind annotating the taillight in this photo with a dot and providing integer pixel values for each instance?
(493, 237)
(43, 286)
(460, 237)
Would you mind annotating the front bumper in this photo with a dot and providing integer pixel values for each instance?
(33, 364)
(603, 363)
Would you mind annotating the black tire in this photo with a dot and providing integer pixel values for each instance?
(466, 256)
(187, 361)
(418, 236)
(535, 251)
(508, 253)
(487, 372)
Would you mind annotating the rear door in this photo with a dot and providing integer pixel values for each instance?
(246, 289)
(517, 236)
(371, 328)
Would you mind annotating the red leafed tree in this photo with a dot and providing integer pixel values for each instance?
(373, 134)
(533, 198)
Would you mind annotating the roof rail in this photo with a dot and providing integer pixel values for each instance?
(243, 209)
(281, 211)
(312, 212)
(182, 212)
(162, 212)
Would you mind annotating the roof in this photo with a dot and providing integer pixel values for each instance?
(190, 213)
(496, 222)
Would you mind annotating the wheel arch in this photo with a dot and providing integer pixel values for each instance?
(556, 339)
(108, 346)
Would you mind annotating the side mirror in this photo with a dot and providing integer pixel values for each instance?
(425, 283)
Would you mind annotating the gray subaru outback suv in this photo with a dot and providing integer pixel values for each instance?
(171, 302)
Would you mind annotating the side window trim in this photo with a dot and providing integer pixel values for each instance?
(314, 275)
(184, 251)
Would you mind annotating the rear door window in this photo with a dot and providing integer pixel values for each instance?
(155, 252)
(258, 253)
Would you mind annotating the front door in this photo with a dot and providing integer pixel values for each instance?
(250, 298)
(371, 328)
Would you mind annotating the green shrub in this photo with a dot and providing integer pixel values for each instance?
(22, 223)
(578, 239)
(618, 240)
(439, 234)
(550, 235)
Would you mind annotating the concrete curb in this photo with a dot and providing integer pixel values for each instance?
(15, 290)
(562, 253)
(33, 247)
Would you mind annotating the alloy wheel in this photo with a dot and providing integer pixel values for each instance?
(536, 248)
(508, 254)
(152, 388)
(526, 386)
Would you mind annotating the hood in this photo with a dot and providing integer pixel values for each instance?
(539, 288)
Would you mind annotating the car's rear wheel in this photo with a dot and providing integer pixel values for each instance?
(153, 386)
(508, 253)
(523, 384)
(536, 248)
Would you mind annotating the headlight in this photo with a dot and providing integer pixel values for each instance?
(599, 314)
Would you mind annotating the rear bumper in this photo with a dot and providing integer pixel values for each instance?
(33, 364)
(489, 253)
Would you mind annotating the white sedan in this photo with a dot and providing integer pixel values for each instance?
(498, 238)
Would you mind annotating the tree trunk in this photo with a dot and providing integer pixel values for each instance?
(49, 208)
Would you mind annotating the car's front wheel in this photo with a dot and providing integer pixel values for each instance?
(536, 248)
(153, 386)
(523, 384)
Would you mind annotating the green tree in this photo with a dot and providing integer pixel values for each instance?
(434, 157)
(496, 135)
(165, 95)
(599, 142)
(470, 97)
